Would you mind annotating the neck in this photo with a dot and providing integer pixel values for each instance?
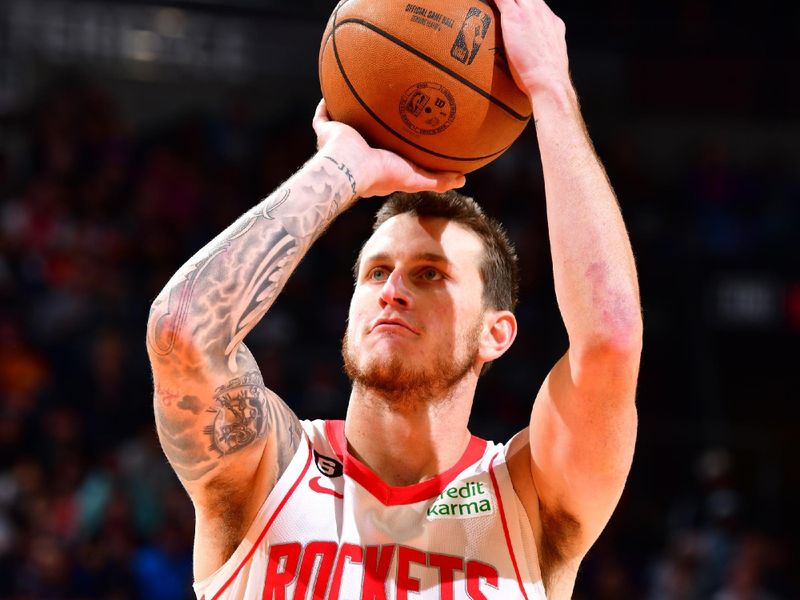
(406, 441)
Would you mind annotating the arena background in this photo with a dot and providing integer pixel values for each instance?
(132, 132)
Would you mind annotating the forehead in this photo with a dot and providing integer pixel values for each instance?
(406, 235)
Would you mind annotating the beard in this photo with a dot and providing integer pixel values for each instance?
(406, 386)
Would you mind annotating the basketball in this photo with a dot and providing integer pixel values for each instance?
(428, 80)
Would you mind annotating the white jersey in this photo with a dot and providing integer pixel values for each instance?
(332, 529)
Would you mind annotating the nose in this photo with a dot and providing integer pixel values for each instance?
(394, 292)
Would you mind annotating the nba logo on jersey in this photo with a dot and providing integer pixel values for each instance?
(328, 466)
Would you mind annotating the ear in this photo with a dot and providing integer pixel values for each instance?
(498, 333)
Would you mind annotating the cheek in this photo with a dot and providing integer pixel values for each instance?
(357, 314)
(455, 300)
(469, 319)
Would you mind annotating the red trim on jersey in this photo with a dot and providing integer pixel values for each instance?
(390, 495)
(313, 483)
(505, 526)
(267, 526)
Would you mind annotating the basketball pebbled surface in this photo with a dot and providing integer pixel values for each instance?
(427, 80)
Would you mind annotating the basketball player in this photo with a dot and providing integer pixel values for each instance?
(399, 500)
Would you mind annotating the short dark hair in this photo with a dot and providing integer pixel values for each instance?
(498, 268)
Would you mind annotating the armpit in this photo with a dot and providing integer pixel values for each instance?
(559, 540)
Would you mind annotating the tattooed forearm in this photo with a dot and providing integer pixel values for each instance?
(343, 168)
(216, 299)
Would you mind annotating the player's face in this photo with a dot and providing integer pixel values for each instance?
(416, 314)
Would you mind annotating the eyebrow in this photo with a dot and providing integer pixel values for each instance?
(421, 256)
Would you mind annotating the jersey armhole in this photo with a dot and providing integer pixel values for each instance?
(219, 580)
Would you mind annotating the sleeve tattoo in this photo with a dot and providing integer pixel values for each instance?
(213, 302)
(244, 410)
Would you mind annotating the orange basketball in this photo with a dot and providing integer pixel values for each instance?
(427, 80)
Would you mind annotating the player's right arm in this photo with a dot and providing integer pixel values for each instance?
(227, 436)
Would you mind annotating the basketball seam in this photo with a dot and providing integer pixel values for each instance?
(389, 129)
(332, 23)
(398, 134)
(434, 63)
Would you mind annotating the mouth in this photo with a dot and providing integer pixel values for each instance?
(392, 325)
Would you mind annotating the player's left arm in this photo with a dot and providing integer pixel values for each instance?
(583, 424)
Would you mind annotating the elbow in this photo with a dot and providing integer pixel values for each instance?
(610, 318)
(163, 329)
(180, 336)
(619, 334)
(626, 334)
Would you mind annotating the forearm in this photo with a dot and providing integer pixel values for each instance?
(593, 264)
(223, 291)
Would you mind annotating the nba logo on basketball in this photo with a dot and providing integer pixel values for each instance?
(470, 36)
(417, 102)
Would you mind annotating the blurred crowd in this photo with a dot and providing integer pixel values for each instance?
(95, 216)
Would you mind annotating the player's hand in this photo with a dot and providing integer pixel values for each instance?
(535, 45)
(377, 172)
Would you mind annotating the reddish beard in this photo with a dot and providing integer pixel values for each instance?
(406, 386)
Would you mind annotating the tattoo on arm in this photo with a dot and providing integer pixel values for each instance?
(222, 292)
(202, 316)
(343, 168)
(244, 412)
(168, 315)
(239, 417)
(185, 450)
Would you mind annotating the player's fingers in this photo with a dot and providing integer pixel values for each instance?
(321, 115)
(504, 4)
(540, 7)
(398, 174)
(321, 110)
(457, 181)
(439, 181)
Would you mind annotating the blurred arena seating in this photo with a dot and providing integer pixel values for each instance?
(132, 132)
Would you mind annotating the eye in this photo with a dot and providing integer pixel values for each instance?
(378, 274)
(431, 274)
